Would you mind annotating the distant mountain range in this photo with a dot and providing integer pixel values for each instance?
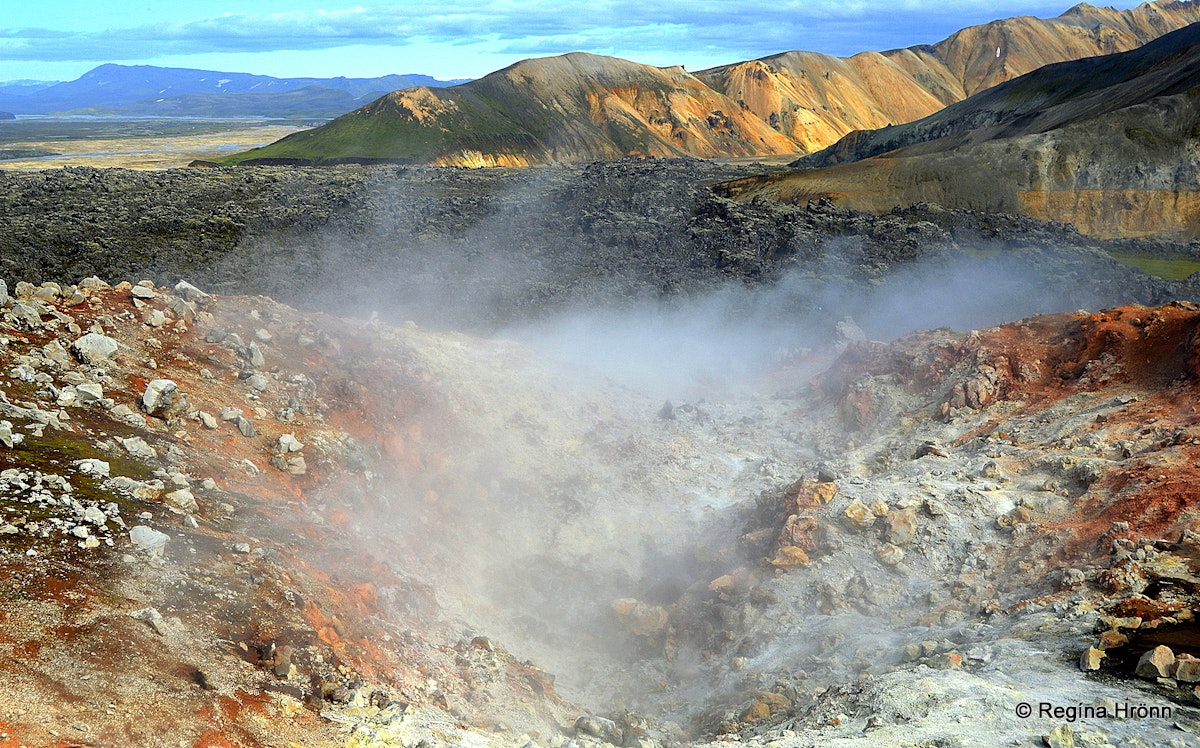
(1110, 144)
(581, 107)
(145, 90)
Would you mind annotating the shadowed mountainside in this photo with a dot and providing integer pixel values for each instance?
(582, 107)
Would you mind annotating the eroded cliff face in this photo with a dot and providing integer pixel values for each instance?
(1119, 213)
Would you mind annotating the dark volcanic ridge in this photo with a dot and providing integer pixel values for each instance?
(476, 250)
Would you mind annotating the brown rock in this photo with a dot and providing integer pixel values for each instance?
(766, 704)
(790, 557)
(641, 618)
(902, 526)
(1187, 669)
(1090, 659)
(859, 514)
(756, 712)
(723, 583)
(1112, 639)
(824, 492)
(803, 532)
(1157, 663)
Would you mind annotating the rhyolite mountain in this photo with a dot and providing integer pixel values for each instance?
(581, 107)
(147, 90)
(1111, 144)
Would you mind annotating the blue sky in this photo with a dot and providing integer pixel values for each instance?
(62, 39)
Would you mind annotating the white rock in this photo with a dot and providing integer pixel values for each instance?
(137, 446)
(181, 499)
(289, 443)
(89, 392)
(157, 394)
(95, 348)
(148, 539)
(190, 292)
(93, 283)
(94, 515)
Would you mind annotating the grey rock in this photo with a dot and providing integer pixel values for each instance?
(128, 415)
(246, 426)
(54, 351)
(288, 443)
(142, 292)
(5, 299)
(255, 355)
(154, 318)
(599, 727)
(7, 437)
(258, 383)
(26, 315)
(135, 488)
(207, 419)
(89, 393)
(94, 515)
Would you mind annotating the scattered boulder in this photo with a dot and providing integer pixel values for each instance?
(7, 437)
(191, 293)
(152, 617)
(92, 466)
(26, 315)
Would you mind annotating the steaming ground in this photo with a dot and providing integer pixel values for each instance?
(632, 548)
(668, 464)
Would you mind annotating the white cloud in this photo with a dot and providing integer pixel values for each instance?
(726, 30)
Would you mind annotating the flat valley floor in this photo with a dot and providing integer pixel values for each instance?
(132, 143)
